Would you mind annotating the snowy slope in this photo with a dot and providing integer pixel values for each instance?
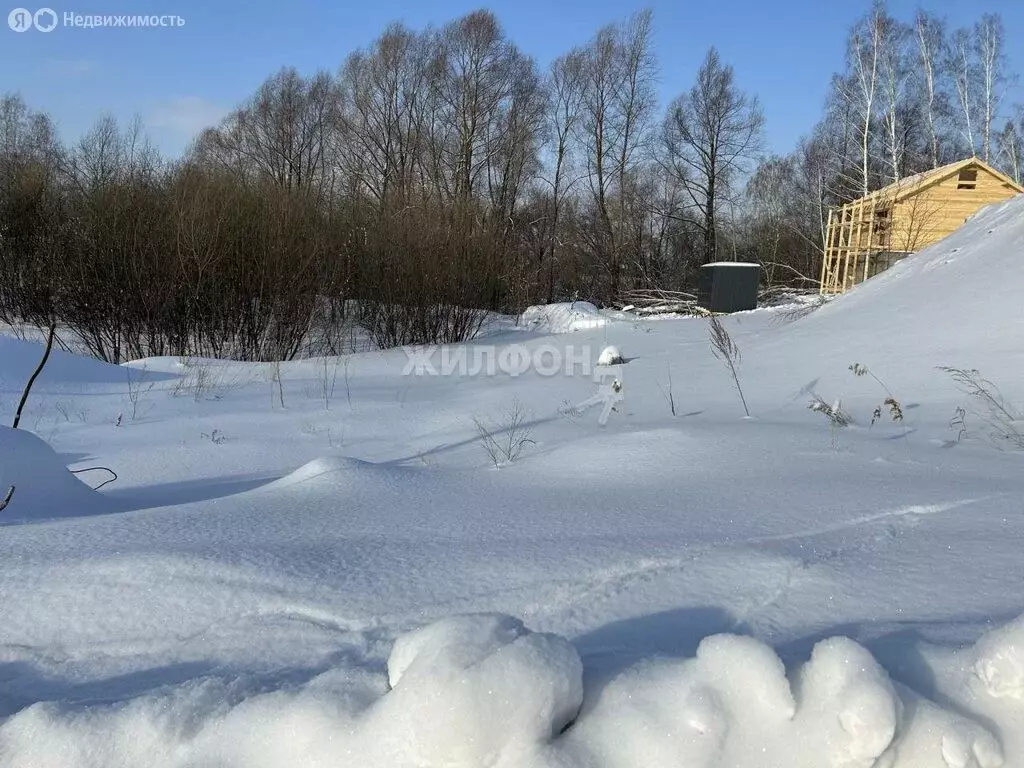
(958, 303)
(333, 582)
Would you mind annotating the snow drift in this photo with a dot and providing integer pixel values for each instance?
(957, 300)
(19, 358)
(44, 488)
(564, 317)
(483, 690)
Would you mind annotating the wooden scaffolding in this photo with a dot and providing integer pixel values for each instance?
(856, 232)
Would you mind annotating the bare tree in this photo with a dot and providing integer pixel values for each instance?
(1010, 145)
(384, 94)
(617, 107)
(966, 80)
(864, 54)
(483, 84)
(990, 43)
(895, 70)
(930, 33)
(565, 92)
(710, 134)
(283, 134)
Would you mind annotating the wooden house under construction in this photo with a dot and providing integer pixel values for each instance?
(869, 235)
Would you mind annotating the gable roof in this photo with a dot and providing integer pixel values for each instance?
(912, 185)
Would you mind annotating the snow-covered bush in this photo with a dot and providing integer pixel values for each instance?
(610, 355)
(564, 317)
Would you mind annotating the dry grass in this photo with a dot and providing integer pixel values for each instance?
(725, 349)
(506, 442)
(1004, 421)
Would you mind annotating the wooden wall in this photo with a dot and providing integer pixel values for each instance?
(942, 208)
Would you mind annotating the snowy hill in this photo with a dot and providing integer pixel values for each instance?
(961, 299)
(349, 580)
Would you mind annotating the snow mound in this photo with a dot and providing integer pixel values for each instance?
(565, 317)
(44, 488)
(999, 662)
(475, 688)
(483, 690)
(470, 639)
(19, 358)
(610, 356)
(476, 691)
(326, 469)
(733, 705)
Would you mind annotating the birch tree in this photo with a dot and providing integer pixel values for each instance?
(990, 44)
(895, 70)
(1010, 147)
(565, 89)
(864, 57)
(966, 76)
(930, 33)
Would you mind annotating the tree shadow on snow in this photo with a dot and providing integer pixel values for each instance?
(22, 684)
(185, 491)
(72, 457)
(416, 459)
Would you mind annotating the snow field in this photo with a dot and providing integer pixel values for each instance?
(332, 582)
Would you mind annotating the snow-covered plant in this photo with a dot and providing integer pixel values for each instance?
(1005, 421)
(137, 390)
(890, 404)
(832, 411)
(725, 349)
(668, 392)
(799, 310)
(216, 437)
(837, 418)
(570, 410)
(197, 380)
(505, 443)
(895, 411)
(275, 378)
(328, 379)
(959, 423)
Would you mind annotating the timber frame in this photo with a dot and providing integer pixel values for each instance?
(867, 236)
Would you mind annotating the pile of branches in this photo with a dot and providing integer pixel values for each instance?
(656, 301)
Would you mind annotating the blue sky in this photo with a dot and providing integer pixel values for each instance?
(180, 79)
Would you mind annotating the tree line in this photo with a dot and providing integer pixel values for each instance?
(441, 173)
